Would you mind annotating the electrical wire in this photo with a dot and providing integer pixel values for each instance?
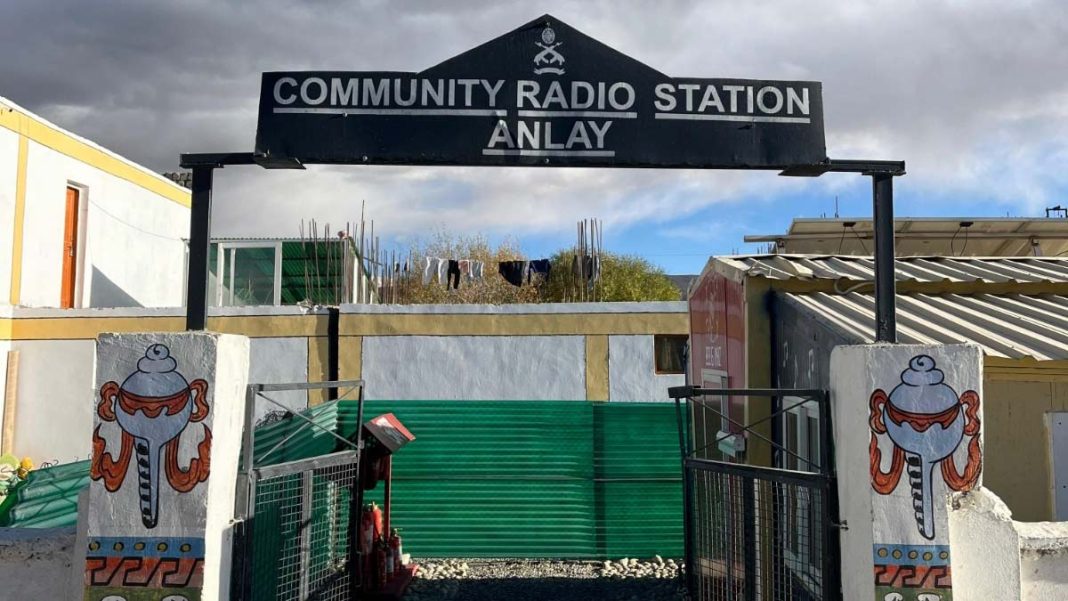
(132, 226)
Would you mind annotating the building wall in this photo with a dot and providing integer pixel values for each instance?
(131, 221)
(1018, 462)
(511, 352)
(9, 153)
(475, 367)
(630, 361)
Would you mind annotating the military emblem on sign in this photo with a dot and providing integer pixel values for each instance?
(548, 60)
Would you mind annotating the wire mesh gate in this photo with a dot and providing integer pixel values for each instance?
(296, 535)
(756, 532)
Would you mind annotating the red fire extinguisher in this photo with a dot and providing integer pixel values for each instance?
(396, 549)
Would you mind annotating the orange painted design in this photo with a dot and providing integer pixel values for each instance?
(922, 421)
(883, 482)
(105, 466)
(199, 468)
(70, 250)
(966, 481)
(108, 394)
(152, 406)
(200, 387)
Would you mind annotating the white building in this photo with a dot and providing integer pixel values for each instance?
(82, 226)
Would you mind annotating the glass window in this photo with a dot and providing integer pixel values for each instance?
(244, 274)
(670, 353)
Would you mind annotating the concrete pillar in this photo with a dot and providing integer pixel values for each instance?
(166, 440)
(907, 428)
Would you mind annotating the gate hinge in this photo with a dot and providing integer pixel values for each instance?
(843, 525)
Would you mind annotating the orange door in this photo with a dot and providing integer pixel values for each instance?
(70, 250)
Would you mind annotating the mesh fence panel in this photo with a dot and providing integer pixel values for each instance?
(300, 534)
(756, 537)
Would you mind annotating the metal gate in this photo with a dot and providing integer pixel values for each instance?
(755, 532)
(295, 539)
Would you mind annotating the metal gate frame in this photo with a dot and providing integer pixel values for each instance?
(822, 479)
(342, 466)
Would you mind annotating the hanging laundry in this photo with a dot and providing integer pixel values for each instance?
(454, 272)
(539, 270)
(430, 269)
(465, 269)
(514, 272)
(443, 266)
(476, 270)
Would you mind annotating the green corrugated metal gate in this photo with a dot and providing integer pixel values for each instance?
(537, 479)
(487, 478)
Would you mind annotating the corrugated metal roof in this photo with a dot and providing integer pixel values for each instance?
(1007, 325)
(925, 236)
(916, 269)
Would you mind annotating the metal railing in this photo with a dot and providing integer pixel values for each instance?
(296, 534)
(755, 531)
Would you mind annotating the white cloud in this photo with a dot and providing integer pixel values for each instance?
(970, 94)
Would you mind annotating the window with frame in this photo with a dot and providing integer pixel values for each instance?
(245, 273)
(669, 352)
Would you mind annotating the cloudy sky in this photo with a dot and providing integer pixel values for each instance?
(972, 94)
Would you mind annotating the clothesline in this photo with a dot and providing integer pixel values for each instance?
(451, 271)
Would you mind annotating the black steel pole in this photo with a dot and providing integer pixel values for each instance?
(196, 300)
(885, 283)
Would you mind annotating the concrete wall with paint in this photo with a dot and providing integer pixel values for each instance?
(996, 557)
(565, 351)
(35, 562)
(54, 385)
(161, 496)
(9, 156)
(520, 352)
(475, 367)
(130, 221)
(907, 428)
(630, 361)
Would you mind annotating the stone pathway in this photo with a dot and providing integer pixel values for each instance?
(531, 580)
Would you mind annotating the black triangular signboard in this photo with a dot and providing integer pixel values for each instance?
(544, 94)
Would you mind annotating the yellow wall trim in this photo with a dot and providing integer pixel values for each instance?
(19, 221)
(88, 328)
(597, 368)
(1025, 370)
(64, 143)
(264, 326)
(318, 364)
(350, 358)
(540, 324)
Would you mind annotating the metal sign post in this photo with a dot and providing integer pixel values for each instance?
(542, 95)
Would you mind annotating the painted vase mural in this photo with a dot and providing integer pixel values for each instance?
(152, 406)
(926, 423)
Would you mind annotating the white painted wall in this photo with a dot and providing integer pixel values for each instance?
(279, 361)
(9, 155)
(995, 557)
(133, 252)
(55, 406)
(475, 367)
(632, 371)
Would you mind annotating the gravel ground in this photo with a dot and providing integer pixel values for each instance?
(627, 579)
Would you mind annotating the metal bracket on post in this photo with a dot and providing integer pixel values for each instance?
(882, 176)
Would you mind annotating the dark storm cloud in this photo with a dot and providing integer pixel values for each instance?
(972, 94)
